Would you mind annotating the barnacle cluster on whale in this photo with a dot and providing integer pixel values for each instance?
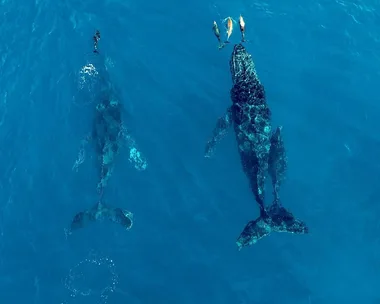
(109, 136)
(262, 151)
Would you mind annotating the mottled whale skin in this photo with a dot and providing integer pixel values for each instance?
(261, 151)
(109, 136)
(251, 117)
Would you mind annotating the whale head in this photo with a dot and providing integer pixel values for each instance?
(241, 64)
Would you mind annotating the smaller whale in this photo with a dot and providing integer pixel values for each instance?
(109, 136)
(262, 151)
(109, 133)
(102, 212)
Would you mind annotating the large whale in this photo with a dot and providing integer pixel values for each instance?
(109, 136)
(261, 150)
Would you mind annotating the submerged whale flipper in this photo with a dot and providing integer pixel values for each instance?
(101, 212)
(279, 220)
(81, 153)
(220, 130)
(135, 156)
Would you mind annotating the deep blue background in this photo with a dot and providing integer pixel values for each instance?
(319, 62)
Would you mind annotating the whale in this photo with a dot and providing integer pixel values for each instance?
(109, 136)
(261, 149)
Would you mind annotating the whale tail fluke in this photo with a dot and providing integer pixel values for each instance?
(100, 212)
(278, 219)
(282, 220)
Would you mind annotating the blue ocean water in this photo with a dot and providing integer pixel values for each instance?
(319, 63)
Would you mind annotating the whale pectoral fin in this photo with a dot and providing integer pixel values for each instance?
(222, 125)
(135, 156)
(82, 152)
